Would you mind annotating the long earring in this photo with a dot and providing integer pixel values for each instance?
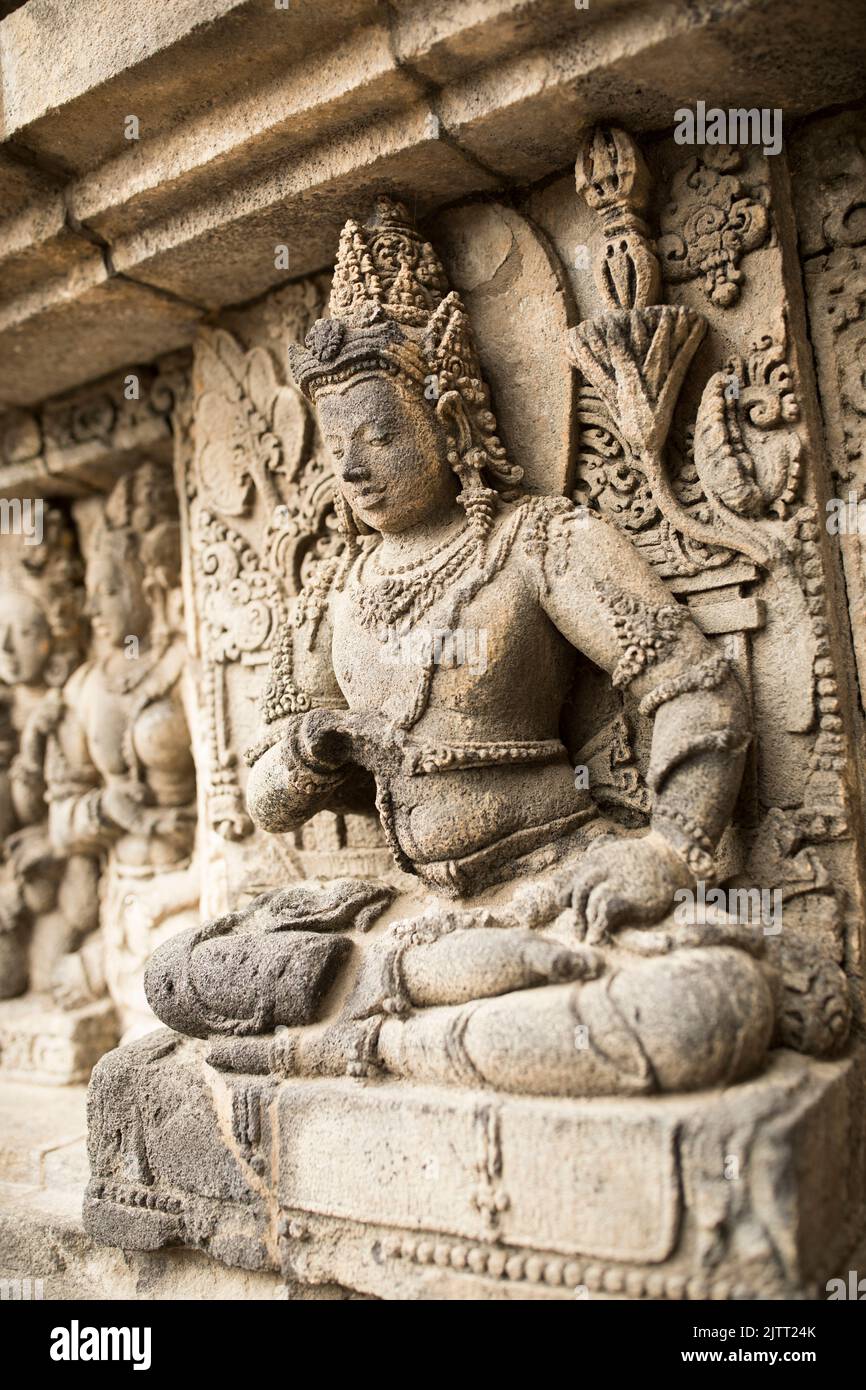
(348, 524)
(478, 501)
(343, 512)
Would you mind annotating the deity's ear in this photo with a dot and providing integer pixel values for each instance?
(451, 413)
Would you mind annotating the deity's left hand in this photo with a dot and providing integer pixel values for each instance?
(626, 881)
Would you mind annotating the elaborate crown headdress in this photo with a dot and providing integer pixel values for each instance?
(392, 311)
(141, 514)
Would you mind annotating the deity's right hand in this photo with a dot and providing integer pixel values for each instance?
(29, 850)
(45, 717)
(72, 985)
(330, 738)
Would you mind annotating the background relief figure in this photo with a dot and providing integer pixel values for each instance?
(47, 901)
(121, 775)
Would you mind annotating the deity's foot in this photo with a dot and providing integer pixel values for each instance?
(242, 984)
(457, 998)
(267, 965)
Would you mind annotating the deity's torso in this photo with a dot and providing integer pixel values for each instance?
(134, 728)
(476, 675)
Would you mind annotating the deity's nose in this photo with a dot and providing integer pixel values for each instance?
(353, 468)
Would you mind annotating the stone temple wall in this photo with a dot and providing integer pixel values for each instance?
(672, 334)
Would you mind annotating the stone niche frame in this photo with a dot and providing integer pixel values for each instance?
(395, 1214)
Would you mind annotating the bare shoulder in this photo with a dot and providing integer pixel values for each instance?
(569, 551)
(554, 531)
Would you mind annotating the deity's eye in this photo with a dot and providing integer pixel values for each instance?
(335, 448)
(380, 438)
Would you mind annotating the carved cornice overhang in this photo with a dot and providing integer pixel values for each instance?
(112, 248)
(79, 443)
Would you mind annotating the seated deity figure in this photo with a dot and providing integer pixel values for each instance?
(121, 779)
(46, 904)
(545, 958)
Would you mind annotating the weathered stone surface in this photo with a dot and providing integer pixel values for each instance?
(119, 771)
(252, 539)
(38, 245)
(313, 102)
(829, 189)
(20, 183)
(638, 65)
(43, 1044)
(80, 443)
(42, 1129)
(203, 254)
(88, 323)
(293, 972)
(463, 741)
(454, 39)
(161, 65)
(43, 1247)
(498, 1010)
(447, 1194)
(498, 262)
(511, 85)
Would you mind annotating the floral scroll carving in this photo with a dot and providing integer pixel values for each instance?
(713, 219)
(248, 426)
(746, 454)
(241, 609)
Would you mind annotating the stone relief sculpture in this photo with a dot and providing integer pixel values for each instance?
(474, 786)
(714, 218)
(48, 902)
(121, 778)
(831, 189)
(528, 955)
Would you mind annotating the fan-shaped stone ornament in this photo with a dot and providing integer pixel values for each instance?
(247, 425)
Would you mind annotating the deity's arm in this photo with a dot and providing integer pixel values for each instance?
(609, 603)
(73, 784)
(27, 771)
(290, 779)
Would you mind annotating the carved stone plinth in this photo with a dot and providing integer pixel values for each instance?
(42, 1043)
(438, 1193)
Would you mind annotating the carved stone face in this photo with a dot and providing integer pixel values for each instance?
(116, 599)
(388, 453)
(25, 639)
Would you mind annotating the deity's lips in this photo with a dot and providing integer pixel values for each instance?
(371, 497)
